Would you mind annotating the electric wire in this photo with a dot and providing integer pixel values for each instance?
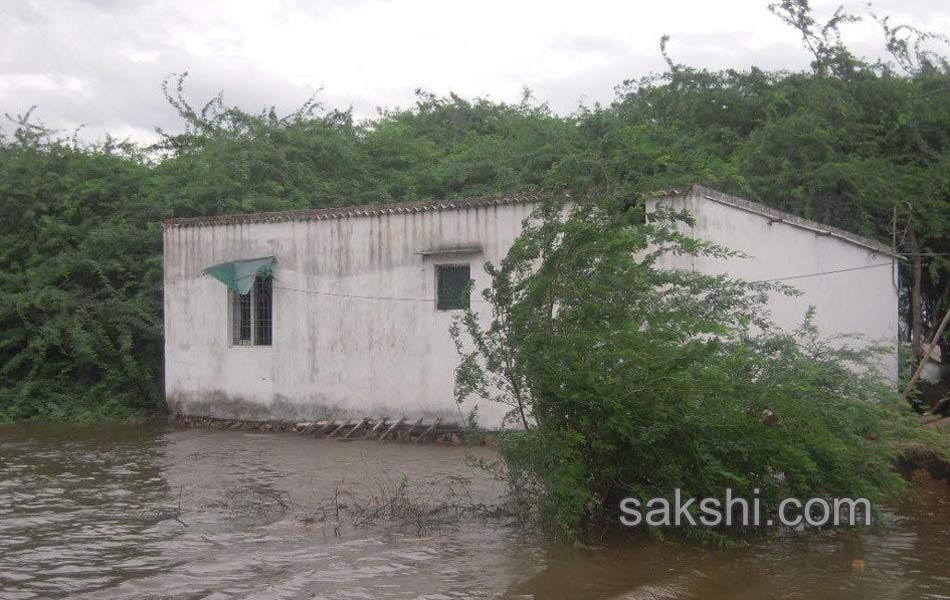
(411, 299)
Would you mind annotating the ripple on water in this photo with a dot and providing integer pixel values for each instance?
(141, 513)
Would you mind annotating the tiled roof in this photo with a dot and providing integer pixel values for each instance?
(320, 214)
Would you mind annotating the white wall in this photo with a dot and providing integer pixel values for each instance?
(331, 356)
(343, 357)
(862, 300)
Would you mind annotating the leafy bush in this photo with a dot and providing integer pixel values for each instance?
(80, 287)
(636, 380)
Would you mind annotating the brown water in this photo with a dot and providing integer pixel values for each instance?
(156, 513)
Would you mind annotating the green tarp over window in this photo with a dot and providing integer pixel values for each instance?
(239, 274)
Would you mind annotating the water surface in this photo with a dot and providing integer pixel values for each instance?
(119, 512)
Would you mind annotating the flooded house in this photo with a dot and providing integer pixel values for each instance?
(345, 312)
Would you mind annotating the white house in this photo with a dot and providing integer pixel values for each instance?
(345, 312)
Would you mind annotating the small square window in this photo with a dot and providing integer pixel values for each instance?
(453, 282)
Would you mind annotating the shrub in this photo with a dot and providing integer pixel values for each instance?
(634, 380)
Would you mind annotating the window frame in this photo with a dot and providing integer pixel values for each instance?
(439, 267)
(254, 321)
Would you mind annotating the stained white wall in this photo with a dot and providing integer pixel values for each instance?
(860, 298)
(332, 356)
(344, 357)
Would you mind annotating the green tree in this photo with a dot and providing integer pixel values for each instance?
(636, 380)
(81, 280)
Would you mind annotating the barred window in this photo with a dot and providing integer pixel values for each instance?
(453, 286)
(262, 311)
(241, 318)
(252, 315)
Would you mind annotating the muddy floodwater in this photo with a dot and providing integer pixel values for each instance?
(151, 512)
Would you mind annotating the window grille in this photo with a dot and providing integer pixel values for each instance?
(453, 287)
(252, 315)
(263, 311)
(241, 318)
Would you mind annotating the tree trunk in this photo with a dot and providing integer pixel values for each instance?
(916, 310)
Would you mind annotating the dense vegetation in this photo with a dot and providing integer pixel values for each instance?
(636, 381)
(865, 146)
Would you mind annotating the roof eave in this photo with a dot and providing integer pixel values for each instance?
(777, 216)
(319, 214)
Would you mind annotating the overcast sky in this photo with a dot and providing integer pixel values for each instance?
(100, 63)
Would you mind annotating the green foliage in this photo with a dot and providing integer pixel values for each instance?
(637, 379)
(80, 283)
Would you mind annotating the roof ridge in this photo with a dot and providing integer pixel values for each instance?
(359, 210)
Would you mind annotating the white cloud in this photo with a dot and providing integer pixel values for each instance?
(41, 82)
(100, 63)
